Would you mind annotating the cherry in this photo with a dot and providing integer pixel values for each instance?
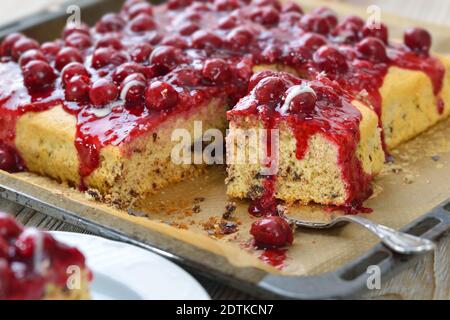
(129, 3)
(77, 40)
(291, 7)
(303, 102)
(372, 49)
(270, 90)
(206, 39)
(271, 232)
(315, 23)
(109, 41)
(143, 22)
(73, 69)
(21, 45)
(178, 4)
(266, 15)
(291, 18)
(102, 92)
(189, 77)
(188, 28)
(8, 43)
(141, 52)
(199, 6)
(77, 88)
(75, 28)
(175, 41)
(110, 23)
(226, 5)
(9, 228)
(27, 242)
(268, 3)
(418, 40)
(67, 55)
(50, 49)
(165, 58)
(107, 56)
(227, 22)
(217, 71)
(257, 77)
(160, 95)
(31, 55)
(328, 15)
(38, 75)
(380, 32)
(140, 8)
(330, 59)
(8, 161)
(132, 89)
(124, 70)
(312, 41)
(240, 37)
(348, 31)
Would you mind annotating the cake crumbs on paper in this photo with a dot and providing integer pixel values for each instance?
(230, 208)
(219, 228)
(408, 179)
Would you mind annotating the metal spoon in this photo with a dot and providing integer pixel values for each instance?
(399, 242)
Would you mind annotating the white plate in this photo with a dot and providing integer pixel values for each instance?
(123, 271)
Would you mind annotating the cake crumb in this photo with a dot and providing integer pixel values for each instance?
(408, 179)
(230, 208)
(436, 157)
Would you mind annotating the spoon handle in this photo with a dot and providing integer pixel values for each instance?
(397, 241)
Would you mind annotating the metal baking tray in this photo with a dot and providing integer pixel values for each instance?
(345, 282)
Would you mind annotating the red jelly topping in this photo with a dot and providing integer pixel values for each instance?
(189, 52)
(30, 260)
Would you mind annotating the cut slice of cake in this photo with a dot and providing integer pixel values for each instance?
(328, 149)
(33, 266)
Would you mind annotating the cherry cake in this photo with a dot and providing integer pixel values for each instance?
(97, 108)
(33, 265)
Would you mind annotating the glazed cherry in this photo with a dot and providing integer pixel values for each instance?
(110, 23)
(26, 243)
(206, 39)
(8, 43)
(73, 69)
(272, 232)
(312, 41)
(50, 49)
(349, 30)
(372, 49)
(188, 28)
(227, 22)
(38, 75)
(103, 57)
(268, 3)
(22, 45)
(175, 40)
(418, 40)
(31, 55)
(240, 37)
(132, 89)
(102, 92)
(270, 90)
(129, 3)
(77, 88)
(165, 58)
(77, 40)
(143, 22)
(304, 102)
(257, 77)
(9, 228)
(291, 7)
(226, 5)
(109, 41)
(140, 8)
(217, 71)
(160, 95)
(178, 4)
(75, 28)
(67, 55)
(315, 23)
(328, 14)
(377, 31)
(7, 162)
(266, 15)
(141, 52)
(124, 70)
(330, 59)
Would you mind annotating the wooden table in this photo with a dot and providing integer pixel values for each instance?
(427, 279)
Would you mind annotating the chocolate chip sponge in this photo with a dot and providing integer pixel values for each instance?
(98, 107)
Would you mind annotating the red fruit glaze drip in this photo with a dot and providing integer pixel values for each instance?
(202, 50)
(30, 260)
(274, 257)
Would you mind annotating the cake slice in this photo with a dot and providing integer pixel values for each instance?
(33, 266)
